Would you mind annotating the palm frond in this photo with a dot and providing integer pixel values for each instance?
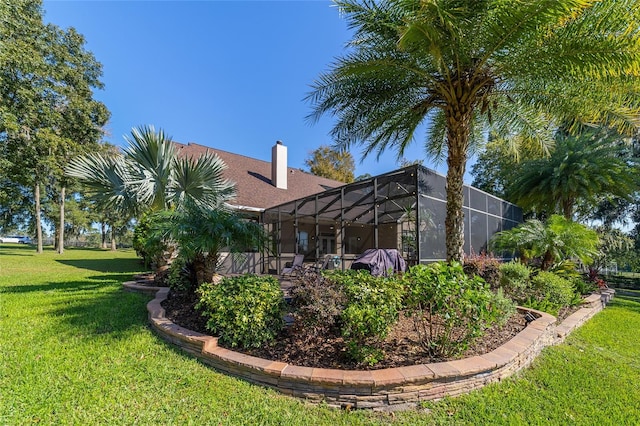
(581, 169)
(154, 153)
(110, 184)
(511, 116)
(201, 182)
(436, 139)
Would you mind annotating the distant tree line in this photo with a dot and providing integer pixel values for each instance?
(48, 115)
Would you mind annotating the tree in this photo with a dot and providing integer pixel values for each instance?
(202, 234)
(557, 239)
(332, 164)
(150, 177)
(466, 66)
(15, 203)
(621, 210)
(581, 170)
(614, 247)
(494, 168)
(47, 110)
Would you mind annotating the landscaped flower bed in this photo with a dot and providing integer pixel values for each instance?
(390, 388)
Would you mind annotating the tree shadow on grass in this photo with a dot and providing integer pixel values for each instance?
(59, 286)
(90, 307)
(104, 265)
(10, 250)
(110, 312)
(627, 302)
(90, 283)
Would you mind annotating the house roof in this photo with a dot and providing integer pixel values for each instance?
(253, 179)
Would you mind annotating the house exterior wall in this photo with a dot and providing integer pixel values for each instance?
(240, 263)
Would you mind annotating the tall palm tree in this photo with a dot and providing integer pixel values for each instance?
(464, 66)
(580, 170)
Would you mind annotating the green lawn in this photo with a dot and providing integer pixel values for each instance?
(76, 349)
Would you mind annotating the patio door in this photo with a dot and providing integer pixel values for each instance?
(327, 244)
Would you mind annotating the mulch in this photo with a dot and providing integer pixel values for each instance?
(401, 347)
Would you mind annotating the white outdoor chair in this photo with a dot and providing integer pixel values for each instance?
(296, 266)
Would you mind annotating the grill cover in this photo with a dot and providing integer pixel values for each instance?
(380, 261)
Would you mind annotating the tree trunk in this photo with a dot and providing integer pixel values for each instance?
(211, 261)
(61, 225)
(36, 196)
(204, 267)
(103, 234)
(567, 208)
(547, 261)
(162, 262)
(113, 239)
(458, 131)
(199, 268)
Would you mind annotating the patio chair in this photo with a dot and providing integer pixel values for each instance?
(295, 266)
(331, 261)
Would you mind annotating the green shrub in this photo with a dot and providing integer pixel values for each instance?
(583, 287)
(364, 354)
(543, 305)
(449, 308)
(372, 306)
(244, 311)
(576, 299)
(567, 269)
(180, 277)
(515, 279)
(557, 290)
(146, 245)
(504, 306)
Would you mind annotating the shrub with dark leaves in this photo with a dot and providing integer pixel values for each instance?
(451, 309)
(485, 266)
(371, 307)
(317, 302)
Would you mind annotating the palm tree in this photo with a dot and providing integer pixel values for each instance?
(469, 65)
(558, 239)
(580, 170)
(202, 233)
(149, 176)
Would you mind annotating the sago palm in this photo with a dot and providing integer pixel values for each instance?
(464, 66)
(203, 233)
(553, 241)
(582, 169)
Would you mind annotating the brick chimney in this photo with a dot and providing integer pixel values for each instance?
(279, 165)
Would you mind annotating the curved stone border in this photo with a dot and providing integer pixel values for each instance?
(386, 389)
(136, 287)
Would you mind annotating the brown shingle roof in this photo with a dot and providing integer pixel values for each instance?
(253, 179)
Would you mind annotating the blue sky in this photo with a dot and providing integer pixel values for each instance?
(226, 74)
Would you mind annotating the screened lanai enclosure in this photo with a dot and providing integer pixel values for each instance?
(403, 210)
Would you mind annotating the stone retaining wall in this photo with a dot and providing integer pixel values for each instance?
(386, 389)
